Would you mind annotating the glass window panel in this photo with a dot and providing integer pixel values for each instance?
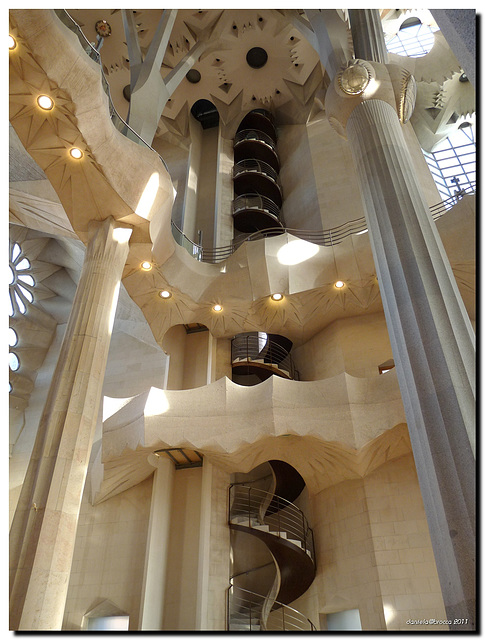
(23, 264)
(26, 293)
(13, 361)
(11, 309)
(15, 251)
(27, 279)
(12, 337)
(20, 303)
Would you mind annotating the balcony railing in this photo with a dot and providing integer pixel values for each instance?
(251, 349)
(325, 238)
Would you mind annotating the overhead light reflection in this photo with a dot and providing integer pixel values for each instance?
(156, 403)
(296, 251)
(148, 197)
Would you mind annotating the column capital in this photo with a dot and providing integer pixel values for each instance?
(362, 80)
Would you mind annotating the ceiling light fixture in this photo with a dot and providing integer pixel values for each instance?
(217, 308)
(45, 102)
(146, 266)
(165, 294)
(339, 284)
(12, 43)
(277, 297)
(76, 153)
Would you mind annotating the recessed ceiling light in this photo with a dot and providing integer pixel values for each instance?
(217, 307)
(146, 266)
(76, 153)
(45, 102)
(277, 297)
(339, 284)
(165, 294)
(12, 43)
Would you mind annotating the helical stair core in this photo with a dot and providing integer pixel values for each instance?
(272, 517)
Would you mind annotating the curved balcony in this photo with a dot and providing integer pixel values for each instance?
(257, 176)
(261, 120)
(250, 143)
(254, 213)
(262, 355)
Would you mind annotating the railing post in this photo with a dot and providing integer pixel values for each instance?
(304, 534)
(249, 506)
(283, 611)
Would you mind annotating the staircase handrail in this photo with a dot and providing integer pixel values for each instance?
(288, 519)
(279, 605)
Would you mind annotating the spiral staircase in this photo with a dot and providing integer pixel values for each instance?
(272, 517)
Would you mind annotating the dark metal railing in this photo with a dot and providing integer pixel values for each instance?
(255, 166)
(326, 238)
(255, 201)
(244, 609)
(255, 508)
(251, 348)
(254, 134)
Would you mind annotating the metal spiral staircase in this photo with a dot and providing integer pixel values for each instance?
(272, 517)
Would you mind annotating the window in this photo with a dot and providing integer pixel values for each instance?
(21, 282)
(414, 39)
(453, 162)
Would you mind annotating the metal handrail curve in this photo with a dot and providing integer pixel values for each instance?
(283, 517)
(254, 134)
(248, 605)
(325, 238)
(120, 124)
(251, 165)
(255, 201)
(249, 348)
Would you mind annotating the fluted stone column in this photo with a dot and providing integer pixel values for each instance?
(431, 335)
(367, 35)
(43, 530)
(153, 594)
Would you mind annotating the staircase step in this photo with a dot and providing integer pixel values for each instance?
(244, 627)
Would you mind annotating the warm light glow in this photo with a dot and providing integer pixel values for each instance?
(389, 613)
(165, 294)
(156, 403)
(12, 43)
(45, 102)
(217, 307)
(114, 304)
(146, 266)
(296, 251)
(339, 284)
(113, 405)
(148, 196)
(76, 153)
(121, 234)
(277, 297)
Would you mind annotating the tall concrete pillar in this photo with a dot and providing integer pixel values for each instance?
(43, 530)
(367, 35)
(153, 594)
(202, 613)
(431, 335)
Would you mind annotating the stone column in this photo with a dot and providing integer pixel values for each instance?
(153, 594)
(367, 35)
(431, 335)
(204, 548)
(43, 530)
